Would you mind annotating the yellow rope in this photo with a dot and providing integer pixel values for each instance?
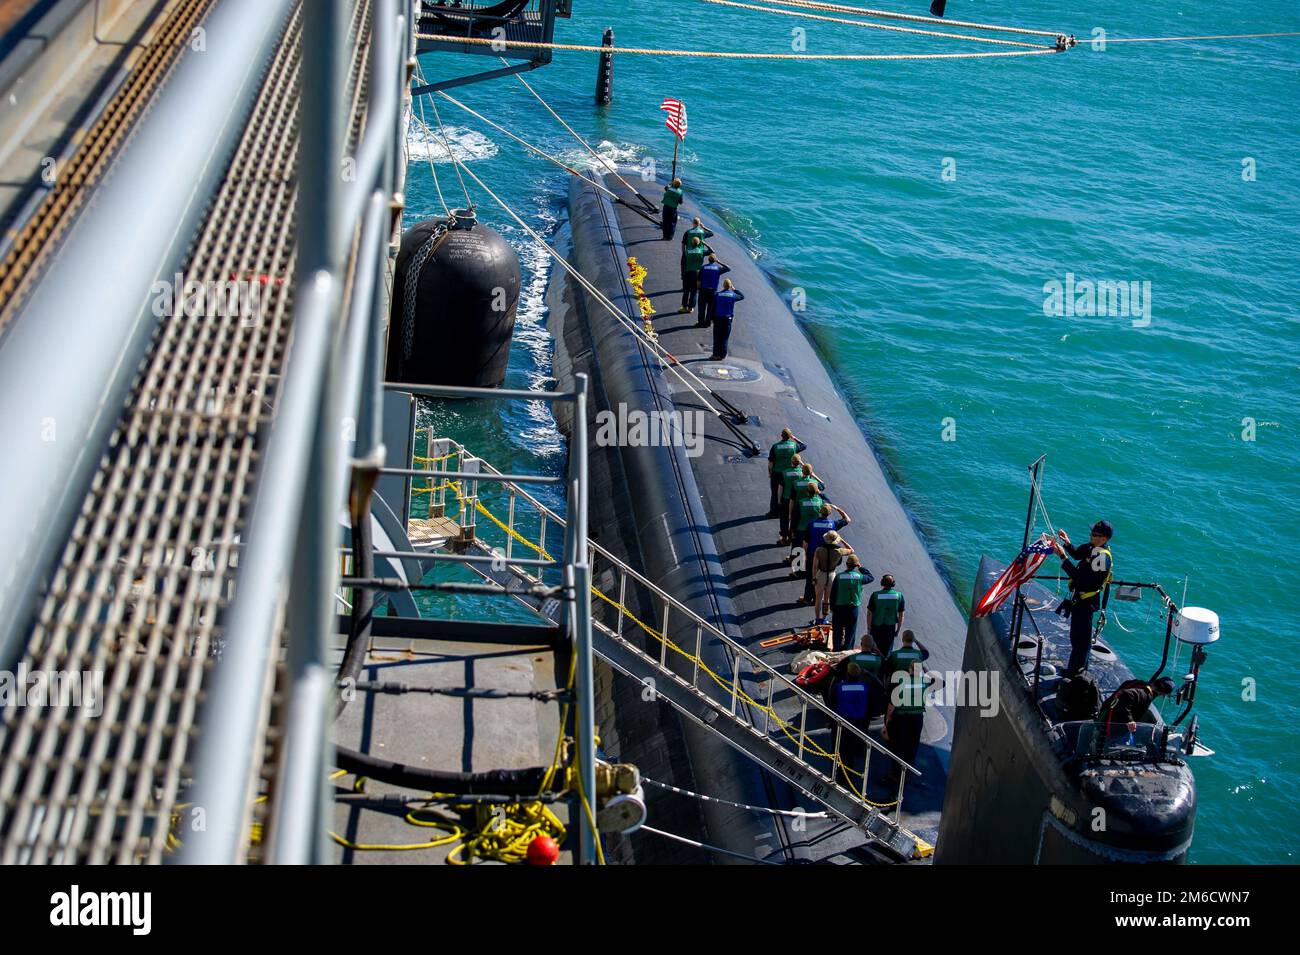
(785, 727)
(507, 834)
(727, 685)
(720, 55)
(867, 24)
(502, 836)
(455, 833)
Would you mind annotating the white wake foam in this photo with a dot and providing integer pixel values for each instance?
(611, 156)
(466, 145)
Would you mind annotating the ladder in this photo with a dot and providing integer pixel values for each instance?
(688, 662)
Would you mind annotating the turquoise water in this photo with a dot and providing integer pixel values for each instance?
(926, 296)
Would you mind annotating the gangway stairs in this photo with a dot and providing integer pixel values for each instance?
(705, 674)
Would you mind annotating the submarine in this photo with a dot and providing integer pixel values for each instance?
(1033, 782)
(683, 514)
(1011, 783)
(693, 515)
(1025, 783)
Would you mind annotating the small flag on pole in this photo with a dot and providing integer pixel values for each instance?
(1021, 570)
(676, 121)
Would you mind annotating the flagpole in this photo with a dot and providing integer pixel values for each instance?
(676, 140)
(1018, 607)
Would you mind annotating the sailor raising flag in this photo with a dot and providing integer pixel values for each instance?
(1021, 570)
(676, 121)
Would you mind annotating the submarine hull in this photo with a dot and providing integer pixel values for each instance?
(1015, 794)
(693, 518)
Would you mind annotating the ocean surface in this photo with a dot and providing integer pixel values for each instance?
(925, 208)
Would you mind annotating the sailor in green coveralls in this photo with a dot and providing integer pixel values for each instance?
(806, 504)
(692, 239)
(778, 462)
(692, 262)
(672, 199)
(846, 599)
(788, 477)
(885, 614)
(901, 660)
(905, 717)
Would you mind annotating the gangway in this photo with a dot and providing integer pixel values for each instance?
(744, 700)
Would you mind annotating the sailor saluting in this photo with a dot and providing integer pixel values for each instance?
(1088, 578)
(672, 200)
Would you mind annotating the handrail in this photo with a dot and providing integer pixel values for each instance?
(575, 593)
(741, 651)
(160, 186)
(303, 442)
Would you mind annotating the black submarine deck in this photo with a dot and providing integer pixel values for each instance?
(774, 375)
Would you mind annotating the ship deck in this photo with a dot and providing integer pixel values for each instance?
(441, 732)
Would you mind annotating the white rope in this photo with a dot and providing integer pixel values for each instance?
(704, 845)
(804, 14)
(910, 17)
(665, 357)
(725, 55)
(446, 144)
(1177, 39)
(1041, 508)
(791, 813)
(429, 156)
(601, 159)
(527, 145)
(1114, 616)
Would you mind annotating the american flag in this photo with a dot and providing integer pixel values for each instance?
(1021, 569)
(676, 116)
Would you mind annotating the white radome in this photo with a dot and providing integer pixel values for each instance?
(1197, 625)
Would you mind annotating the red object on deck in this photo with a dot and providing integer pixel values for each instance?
(543, 851)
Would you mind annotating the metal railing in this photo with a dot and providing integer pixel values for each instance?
(306, 440)
(574, 602)
(780, 712)
(55, 423)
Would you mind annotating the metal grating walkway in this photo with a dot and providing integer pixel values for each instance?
(143, 581)
(28, 251)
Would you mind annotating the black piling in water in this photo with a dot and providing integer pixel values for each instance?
(605, 71)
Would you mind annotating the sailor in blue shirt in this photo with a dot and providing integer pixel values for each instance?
(724, 310)
(818, 528)
(710, 276)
